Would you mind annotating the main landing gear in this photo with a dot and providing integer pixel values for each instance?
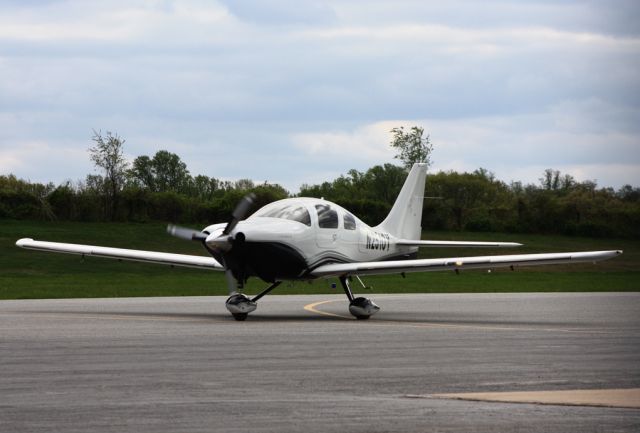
(240, 305)
(361, 308)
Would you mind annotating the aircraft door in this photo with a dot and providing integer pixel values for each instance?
(349, 233)
(327, 233)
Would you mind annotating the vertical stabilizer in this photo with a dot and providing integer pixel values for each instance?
(404, 220)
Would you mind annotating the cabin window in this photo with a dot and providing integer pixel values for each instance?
(327, 217)
(349, 221)
(292, 212)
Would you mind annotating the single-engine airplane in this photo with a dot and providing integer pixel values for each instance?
(309, 238)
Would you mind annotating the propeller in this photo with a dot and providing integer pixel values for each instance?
(238, 214)
(224, 242)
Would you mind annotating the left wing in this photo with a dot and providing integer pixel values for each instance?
(123, 254)
(451, 264)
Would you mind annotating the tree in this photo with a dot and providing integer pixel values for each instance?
(204, 187)
(244, 184)
(107, 155)
(382, 182)
(142, 173)
(550, 180)
(567, 182)
(412, 146)
(165, 172)
(629, 193)
(171, 173)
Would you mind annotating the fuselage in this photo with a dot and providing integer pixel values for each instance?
(286, 239)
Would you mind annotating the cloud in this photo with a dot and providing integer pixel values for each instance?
(117, 21)
(367, 143)
(194, 59)
(245, 89)
(577, 16)
(282, 12)
(28, 159)
(574, 137)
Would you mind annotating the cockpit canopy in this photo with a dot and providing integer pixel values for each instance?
(306, 211)
(285, 210)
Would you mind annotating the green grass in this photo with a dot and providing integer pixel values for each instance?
(29, 274)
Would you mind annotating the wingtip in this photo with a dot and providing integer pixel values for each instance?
(510, 244)
(22, 242)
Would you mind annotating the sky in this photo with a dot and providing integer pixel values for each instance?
(295, 92)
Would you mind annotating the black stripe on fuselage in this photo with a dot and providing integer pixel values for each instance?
(276, 261)
(330, 260)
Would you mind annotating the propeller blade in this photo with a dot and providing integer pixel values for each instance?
(240, 212)
(186, 233)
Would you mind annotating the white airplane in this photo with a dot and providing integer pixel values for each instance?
(309, 238)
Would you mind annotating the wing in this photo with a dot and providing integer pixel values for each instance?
(412, 243)
(450, 264)
(123, 254)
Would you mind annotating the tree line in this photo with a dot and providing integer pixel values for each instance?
(157, 188)
(478, 201)
(161, 188)
(82, 201)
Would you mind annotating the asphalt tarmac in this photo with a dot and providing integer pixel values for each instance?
(301, 363)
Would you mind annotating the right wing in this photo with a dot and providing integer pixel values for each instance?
(464, 244)
(123, 254)
(458, 263)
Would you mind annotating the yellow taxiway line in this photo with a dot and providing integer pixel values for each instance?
(312, 308)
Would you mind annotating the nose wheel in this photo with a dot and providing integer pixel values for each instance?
(240, 305)
(361, 308)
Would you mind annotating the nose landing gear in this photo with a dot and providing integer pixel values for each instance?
(240, 305)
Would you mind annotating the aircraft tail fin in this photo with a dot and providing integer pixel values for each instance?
(404, 220)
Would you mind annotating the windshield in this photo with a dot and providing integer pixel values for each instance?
(293, 212)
